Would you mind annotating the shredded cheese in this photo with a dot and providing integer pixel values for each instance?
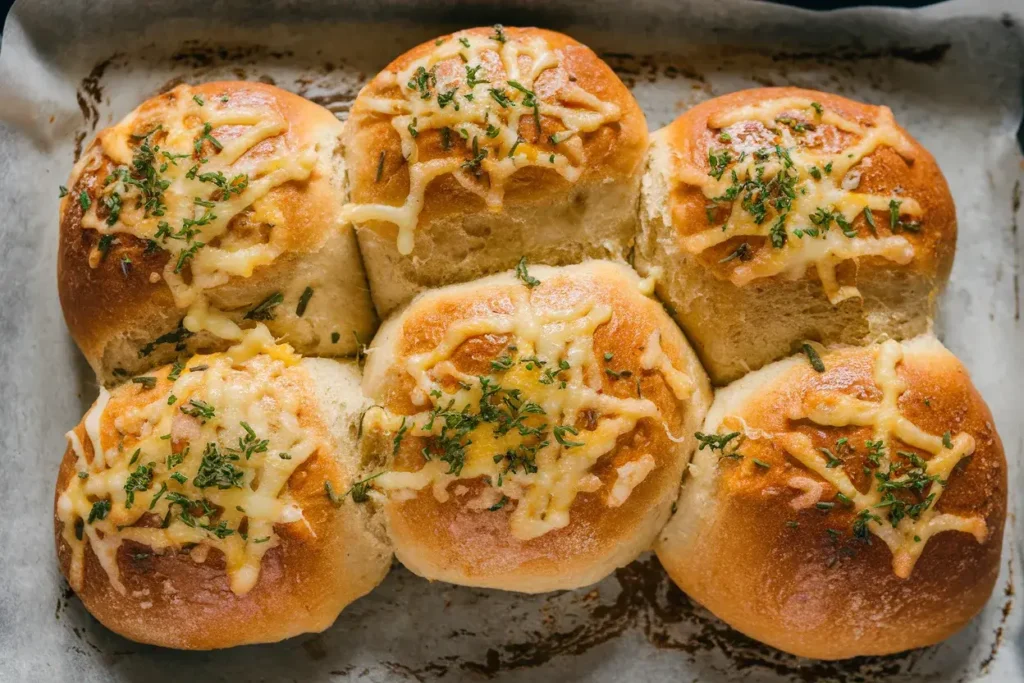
(549, 363)
(907, 538)
(806, 219)
(179, 185)
(476, 90)
(212, 465)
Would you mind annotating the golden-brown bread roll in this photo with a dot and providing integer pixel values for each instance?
(205, 209)
(855, 510)
(532, 428)
(472, 150)
(778, 215)
(220, 510)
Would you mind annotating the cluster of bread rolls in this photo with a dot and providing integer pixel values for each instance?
(525, 414)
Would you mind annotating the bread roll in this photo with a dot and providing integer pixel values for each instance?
(472, 150)
(211, 503)
(853, 511)
(206, 209)
(778, 215)
(532, 427)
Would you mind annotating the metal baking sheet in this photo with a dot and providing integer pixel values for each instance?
(952, 73)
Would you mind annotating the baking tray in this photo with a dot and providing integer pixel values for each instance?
(952, 73)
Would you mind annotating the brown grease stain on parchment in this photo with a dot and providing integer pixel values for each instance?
(649, 603)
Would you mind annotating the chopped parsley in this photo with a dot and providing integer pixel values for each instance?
(265, 309)
(397, 440)
(203, 137)
(894, 213)
(813, 358)
(360, 490)
(501, 98)
(719, 161)
(304, 298)
(725, 444)
(472, 80)
(199, 409)
(99, 510)
(524, 275)
(216, 469)
(474, 165)
(561, 430)
(742, 252)
(139, 480)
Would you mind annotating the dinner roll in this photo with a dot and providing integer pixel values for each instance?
(472, 150)
(531, 428)
(778, 215)
(207, 209)
(212, 503)
(852, 508)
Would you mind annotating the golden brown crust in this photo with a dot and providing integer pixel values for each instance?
(554, 202)
(883, 172)
(812, 269)
(117, 302)
(799, 579)
(176, 598)
(613, 153)
(453, 542)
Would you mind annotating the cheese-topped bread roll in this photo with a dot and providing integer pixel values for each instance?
(472, 150)
(778, 215)
(850, 507)
(533, 426)
(203, 211)
(213, 502)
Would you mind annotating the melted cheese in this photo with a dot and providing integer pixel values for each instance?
(628, 477)
(543, 498)
(654, 358)
(190, 165)
(832, 192)
(812, 491)
(476, 120)
(907, 539)
(243, 386)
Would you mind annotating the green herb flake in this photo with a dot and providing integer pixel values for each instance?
(265, 309)
(813, 358)
(523, 275)
(307, 294)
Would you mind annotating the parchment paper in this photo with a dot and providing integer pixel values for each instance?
(953, 75)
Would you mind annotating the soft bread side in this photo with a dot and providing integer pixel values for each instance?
(778, 551)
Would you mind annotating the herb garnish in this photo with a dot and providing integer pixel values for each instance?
(813, 358)
(265, 309)
(304, 298)
(216, 470)
(524, 275)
